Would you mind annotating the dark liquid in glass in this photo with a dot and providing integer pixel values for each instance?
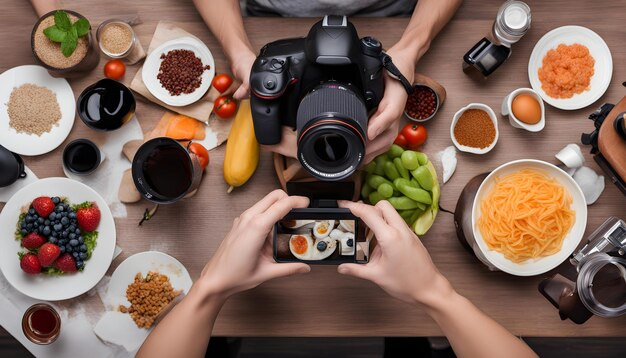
(106, 105)
(609, 286)
(168, 172)
(43, 321)
(81, 157)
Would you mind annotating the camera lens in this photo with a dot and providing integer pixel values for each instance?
(331, 122)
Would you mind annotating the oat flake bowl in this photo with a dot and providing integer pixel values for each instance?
(457, 118)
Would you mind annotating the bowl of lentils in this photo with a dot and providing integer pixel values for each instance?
(422, 104)
(474, 129)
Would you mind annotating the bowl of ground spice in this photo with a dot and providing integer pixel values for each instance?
(116, 38)
(474, 129)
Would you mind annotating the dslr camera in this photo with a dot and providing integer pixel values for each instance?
(324, 85)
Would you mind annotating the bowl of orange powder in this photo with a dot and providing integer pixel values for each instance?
(474, 129)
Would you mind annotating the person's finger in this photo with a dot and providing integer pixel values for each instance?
(390, 215)
(370, 215)
(281, 208)
(264, 203)
(381, 144)
(276, 270)
(356, 270)
(242, 92)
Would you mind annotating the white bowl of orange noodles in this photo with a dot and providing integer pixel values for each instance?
(528, 217)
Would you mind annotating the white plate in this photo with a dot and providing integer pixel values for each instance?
(153, 62)
(32, 144)
(119, 328)
(603, 68)
(55, 288)
(541, 265)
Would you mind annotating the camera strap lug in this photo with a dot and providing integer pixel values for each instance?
(395, 72)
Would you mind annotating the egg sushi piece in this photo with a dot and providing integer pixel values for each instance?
(347, 244)
(323, 228)
(294, 224)
(336, 234)
(347, 225)
(300, 246)
(323, 248)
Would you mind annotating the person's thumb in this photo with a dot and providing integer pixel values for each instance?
(242, 92)
(356, 270)
(284, 269)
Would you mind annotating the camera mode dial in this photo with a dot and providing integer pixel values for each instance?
(371, 46)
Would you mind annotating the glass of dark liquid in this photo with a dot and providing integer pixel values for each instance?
(81, 157)
(106, 105)
(41, 324)
(164, 171)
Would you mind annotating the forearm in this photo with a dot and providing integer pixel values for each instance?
(428, 18)
(186, 330)
(471, 332)
(43, 7)
(223, 17)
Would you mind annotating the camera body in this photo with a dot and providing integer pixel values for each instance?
(323, 85)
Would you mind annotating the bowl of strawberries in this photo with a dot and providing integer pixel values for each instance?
(57, 238)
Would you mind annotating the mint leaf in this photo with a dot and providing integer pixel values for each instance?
(83, 205)
(55, 34)
(62, 20)
(82, 27)
(90, 241)
(18, 228)
(69, 44)
(52, 271)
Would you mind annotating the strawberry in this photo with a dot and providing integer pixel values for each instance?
(30, 264)
(65, 263)
(43, 205)
(48, 253)
(88, 218)
(33, 241)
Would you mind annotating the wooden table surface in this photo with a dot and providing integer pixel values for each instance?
(324, 303)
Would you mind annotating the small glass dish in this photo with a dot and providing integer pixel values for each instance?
(417, 87)
(124, 24)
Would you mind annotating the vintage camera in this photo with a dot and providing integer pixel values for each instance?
(324, 85)
(595, 283)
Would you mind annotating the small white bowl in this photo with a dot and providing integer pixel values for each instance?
(494, 120)
(506, 110)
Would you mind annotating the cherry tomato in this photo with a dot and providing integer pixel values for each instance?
(221, 82)
(200, 151)
(400, 140)
(225, 107)
(415, 135)
(114, 69)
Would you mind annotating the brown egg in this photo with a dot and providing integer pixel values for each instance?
(526, 108)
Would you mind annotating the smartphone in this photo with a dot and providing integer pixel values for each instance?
(321, 236)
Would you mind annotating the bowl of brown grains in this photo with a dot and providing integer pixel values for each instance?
(116, 38)
(474, 129)
(179, 72)
(422, 104)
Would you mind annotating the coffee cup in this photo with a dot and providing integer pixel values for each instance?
(81, 157)
(516, 122)
(11, 167)
(164, 171)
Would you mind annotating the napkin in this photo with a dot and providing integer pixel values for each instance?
(107, 177)
(7, 192)
(201, 109)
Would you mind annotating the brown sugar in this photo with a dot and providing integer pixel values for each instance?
(33, 109)
(49, 52)
(566, 71)
(116, 38)
(475, 129)
(147, 297)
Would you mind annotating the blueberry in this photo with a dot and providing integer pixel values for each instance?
(64, 215)
(82, 256)
(52, 216)
(36, 230)
(47, 222)
(60, 209)
(75, 254)
(23, 232)
(64, 234)
(69, 248)
(46, 230)
(31, 211)
(28, 219)
(321, 246)
(80, 264)
(23, 225)
(81, 240)
(350, 242)
(56, 200)
(83, 248)
(72, 235)
(62, 249)
(74, 242)
(65, 221)
(72, 215)
(72, 228)
(62, 241)
(77, 231)
(58, 227)
(52, 240)
(29, 226)
(54, 234)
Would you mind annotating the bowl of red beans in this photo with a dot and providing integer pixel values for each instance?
(422, 104)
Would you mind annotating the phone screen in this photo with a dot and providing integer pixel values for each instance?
(320, 236)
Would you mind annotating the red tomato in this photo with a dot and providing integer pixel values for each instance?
(200, 151)
(114, 69)
(400, 140)
(225, 107)
(221, 82)
(415, 135)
